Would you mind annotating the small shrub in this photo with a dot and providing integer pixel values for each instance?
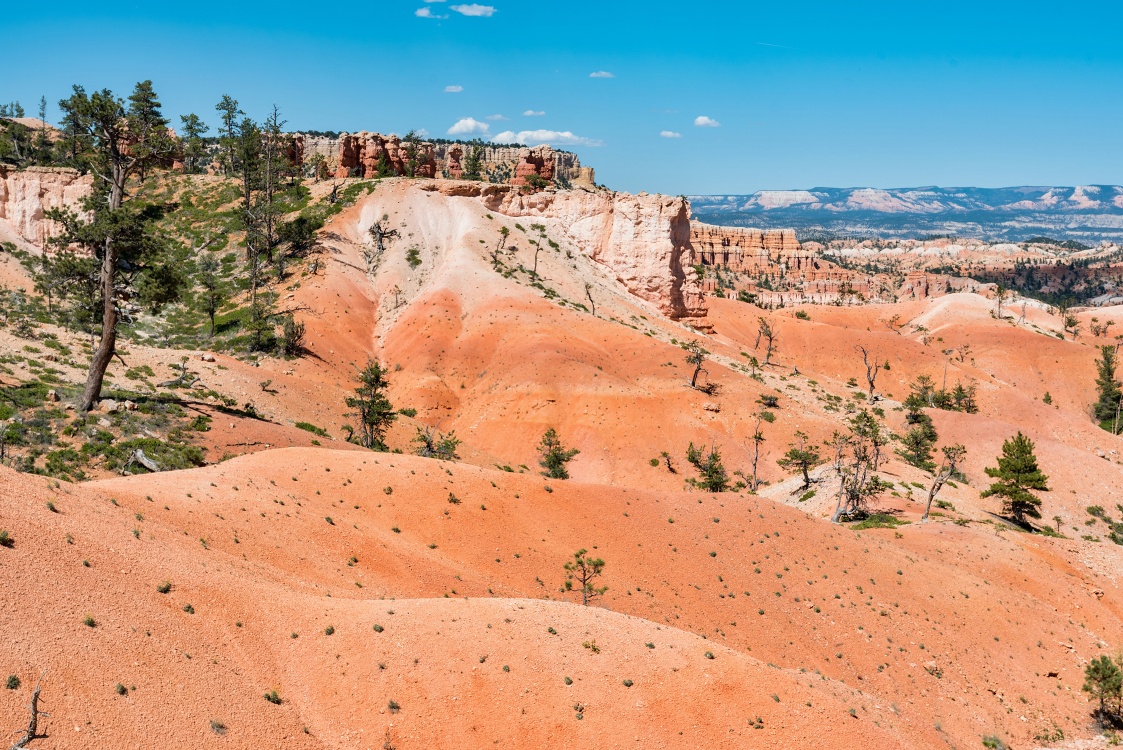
(329, 630)
(709, 654)
(164, 587)
(394, 706)
(408, 412)
(309, 427)
(802, 315)
(218, 727)
(89, 621)
(13, 682)
(121, 689)
(378, 628)
(188, 609)
(273, 697)
(628, 683)
(6, 539)
(994, 743)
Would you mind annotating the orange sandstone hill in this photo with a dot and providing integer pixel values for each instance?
(390, 600)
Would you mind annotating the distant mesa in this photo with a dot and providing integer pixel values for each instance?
(1088, 213)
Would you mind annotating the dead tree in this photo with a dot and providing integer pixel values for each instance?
(589, 294)
(949, 467)
(869, 359)
(758, 438)
(380, 234)
(185, 378)
(32, 731)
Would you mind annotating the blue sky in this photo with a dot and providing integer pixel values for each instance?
(797, 95)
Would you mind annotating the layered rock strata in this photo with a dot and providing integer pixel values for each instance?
(26, 195)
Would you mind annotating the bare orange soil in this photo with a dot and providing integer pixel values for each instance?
(930, 635)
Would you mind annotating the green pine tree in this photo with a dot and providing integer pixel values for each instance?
(1017, 473)
(372, 407)
(554, 456)
(1103, 680)
(1107, 388)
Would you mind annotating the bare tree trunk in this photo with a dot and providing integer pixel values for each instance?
(589, 294)
(106, 348)
(32, 731)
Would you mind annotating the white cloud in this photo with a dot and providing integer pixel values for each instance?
(601, 74)
(426, 13)
(496, 118)
(468, 126)
(702, 121)
(453, 89)
(670, 134)
(532, 113)
(481, 11)
(552, 137)
(421, 133)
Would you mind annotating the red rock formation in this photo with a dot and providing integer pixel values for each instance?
(360, 153)
(539, 160)
(455, 165)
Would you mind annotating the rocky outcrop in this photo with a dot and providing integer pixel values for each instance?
(361, 153)
(501, 164)
(27, 194)
(643, 239)
(747, 250)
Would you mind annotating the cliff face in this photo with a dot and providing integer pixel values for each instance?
(25, 195)
(749, 250)
(644, 239)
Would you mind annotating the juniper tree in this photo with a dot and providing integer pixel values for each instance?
(1017, 474)
(372, 407)
(553, 456)
(120, 233)
(432, 444)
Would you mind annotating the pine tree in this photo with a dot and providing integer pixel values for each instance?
(553, 456)
(213, 288)
(1104, 681)
(1017, 473)
(712, 474)
(801, 455)
(373, 409)
(228, 133)
(1107, 387)
(583, 570)
(473, 161)
(120, 233)
(193, 147)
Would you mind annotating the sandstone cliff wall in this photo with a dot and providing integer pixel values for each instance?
(747, 250)
(25, 195)
(643, 239)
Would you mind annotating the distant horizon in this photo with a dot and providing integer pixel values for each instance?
(701, 102)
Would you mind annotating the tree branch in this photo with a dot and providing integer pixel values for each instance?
(33, 721)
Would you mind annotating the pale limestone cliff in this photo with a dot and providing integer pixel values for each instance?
(643, 239)
(27, 194)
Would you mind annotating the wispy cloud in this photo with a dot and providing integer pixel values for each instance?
(601, 74)
(469, 126)
(496, 118)
(426, 13)
(552, 137)
(480, 11)
(702, 121)
(533, 113)
(669, 134)
(453, 89)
